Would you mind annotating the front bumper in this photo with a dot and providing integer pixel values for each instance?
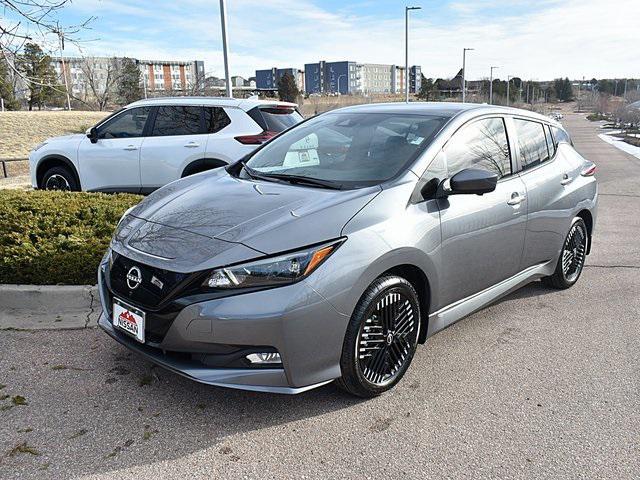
(303, 327)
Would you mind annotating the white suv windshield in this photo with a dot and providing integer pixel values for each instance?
(349, 149)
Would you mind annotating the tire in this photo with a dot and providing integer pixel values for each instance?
(381, 338)
(572, 257)
(59, 178)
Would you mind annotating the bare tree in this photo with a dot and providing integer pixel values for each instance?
(34, 21)
(101, 77)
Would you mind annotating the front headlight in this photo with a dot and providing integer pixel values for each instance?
(279, 270)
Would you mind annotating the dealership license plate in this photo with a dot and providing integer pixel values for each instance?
(128, 319)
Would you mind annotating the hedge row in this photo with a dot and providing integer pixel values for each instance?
(49, 238)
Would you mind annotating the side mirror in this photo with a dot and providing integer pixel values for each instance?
(473, 181)
(92, 133)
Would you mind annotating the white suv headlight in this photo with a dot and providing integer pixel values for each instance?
(274, 271)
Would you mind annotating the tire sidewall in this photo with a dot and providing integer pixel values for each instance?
(351, 373)
(64, 172)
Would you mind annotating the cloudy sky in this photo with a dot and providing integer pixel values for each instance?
(539, 39)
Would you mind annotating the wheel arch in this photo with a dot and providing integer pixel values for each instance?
(51, 161)
(418, 279)
(201, 165)
(588, 220)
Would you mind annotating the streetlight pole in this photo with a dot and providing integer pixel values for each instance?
(64, 73)
(464, 72)
(508, 82)
(491, 86)
(225, 47)
(406, 51)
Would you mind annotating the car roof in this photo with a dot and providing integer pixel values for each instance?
(243, 103)
(444, 109)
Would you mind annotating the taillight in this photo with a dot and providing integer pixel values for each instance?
(589, 170)
(258, 139)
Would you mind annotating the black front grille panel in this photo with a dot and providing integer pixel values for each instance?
(156, 288)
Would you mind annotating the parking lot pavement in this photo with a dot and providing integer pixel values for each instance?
(543, 384)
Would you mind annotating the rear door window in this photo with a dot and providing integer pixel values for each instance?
(275, 118)
(482, 144)
(128, 124)
(178, 120)
(215, 119)
(550, 142)
(532, 143)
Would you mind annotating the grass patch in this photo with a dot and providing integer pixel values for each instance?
(19, 400)
(49, 238)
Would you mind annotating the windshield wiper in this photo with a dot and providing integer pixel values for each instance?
(300, 179)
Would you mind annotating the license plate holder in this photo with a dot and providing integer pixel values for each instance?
(128, 319)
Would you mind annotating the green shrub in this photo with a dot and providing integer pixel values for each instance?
(49, 238)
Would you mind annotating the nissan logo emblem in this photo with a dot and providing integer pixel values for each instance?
(134, 278)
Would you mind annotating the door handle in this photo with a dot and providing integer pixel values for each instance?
(566, 180)
(130, 147)
(191, 145)
(516, 199)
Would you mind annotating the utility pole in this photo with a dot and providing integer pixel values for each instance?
(64, 70)
(625, 89)
(225, 47)
(406, 51)
(491, 86)
(508, 82)
(464, 72)
(145, 72)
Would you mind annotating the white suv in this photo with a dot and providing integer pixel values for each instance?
(152, 142)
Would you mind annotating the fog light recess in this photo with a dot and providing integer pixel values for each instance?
(268, 358)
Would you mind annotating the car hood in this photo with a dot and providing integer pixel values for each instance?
(267, 217)
(77, 137)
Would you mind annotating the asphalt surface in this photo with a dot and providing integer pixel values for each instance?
(544, 384)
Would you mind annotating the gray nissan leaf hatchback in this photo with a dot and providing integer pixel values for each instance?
(335, 249)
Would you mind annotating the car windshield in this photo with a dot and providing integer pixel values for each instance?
(347, 149)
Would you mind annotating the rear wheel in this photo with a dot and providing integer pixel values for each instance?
(381, 338)
(59, 178)
(572, 257)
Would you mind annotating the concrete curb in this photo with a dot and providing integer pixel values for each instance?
(48, 307)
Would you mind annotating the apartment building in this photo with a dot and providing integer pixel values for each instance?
(83, 75)
(268, 79)
(172, 75)
(349, 77)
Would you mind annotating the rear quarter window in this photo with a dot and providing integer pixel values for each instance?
(561, 136)
(275, 118)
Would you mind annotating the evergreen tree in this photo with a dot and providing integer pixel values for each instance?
(428, 89)
(6, 88)
(287, 88)
(129, 89)
(41, 76)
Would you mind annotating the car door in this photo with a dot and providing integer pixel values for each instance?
(482, 235)
(547, 175)
(112, 163)
(177, 138)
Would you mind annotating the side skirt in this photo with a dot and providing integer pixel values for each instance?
(452, 313)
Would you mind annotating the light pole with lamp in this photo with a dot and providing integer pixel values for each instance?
(225, 47)
(491, 86)
(406, 51)
(464, 72)
(508, 82)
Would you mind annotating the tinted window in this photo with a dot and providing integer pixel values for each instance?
(550, 144)
(215, 119)
(130, 123)
(531, 142)
(177, 120)
(275, 119)
(560, 136)
(482, 144)
(352, 149)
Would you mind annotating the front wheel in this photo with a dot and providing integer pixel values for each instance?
(381, 338)
(572, 257)
(59, 178)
